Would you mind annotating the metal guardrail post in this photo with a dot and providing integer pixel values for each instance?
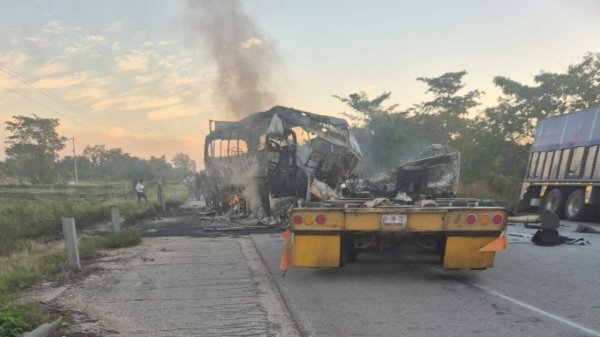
(70, 235)
(115, 219)
(45, 330)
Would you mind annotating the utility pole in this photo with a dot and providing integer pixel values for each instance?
(74, 159)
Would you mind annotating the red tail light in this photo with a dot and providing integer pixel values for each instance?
(471, 219)
(320, 219)
(497, 219)
(297, 219)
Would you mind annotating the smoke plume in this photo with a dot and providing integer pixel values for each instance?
(245, 59)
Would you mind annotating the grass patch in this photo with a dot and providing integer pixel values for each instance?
(25, 216)
(19, 270)
(23, 261)
(16, 318)
(90, 246)
(29, 264)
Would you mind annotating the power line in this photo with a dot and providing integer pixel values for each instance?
(59, 100)
(54, 97)
(45, 107)
(57, 112)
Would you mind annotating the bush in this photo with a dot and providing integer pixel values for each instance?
(16, 318)
(10, 324)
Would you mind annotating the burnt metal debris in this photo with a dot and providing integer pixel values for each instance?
(433, 174)
(262, 164)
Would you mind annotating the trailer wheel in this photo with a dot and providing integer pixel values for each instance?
(353, 253)
(555, 202)
(575, 207)
(348, 253)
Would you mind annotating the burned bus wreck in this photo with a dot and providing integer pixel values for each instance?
(267, 158)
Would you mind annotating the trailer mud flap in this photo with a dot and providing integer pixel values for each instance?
(462, 252)
(317, 251)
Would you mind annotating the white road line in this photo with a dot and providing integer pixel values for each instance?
(565, 321)
(559, 319)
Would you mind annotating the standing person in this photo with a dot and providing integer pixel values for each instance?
(139, 189)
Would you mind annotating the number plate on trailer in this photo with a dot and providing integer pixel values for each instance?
(393, 220)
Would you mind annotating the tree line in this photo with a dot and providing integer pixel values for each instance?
(494, 141)
(33, 145)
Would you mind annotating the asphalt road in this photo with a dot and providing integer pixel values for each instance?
(204, 276)
(531, 291)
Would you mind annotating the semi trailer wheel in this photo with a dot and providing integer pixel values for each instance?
(555, 202)
(575, 207)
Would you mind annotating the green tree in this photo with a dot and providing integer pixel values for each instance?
(552, 94)
(33, 144)
(366, 109)
(447, 119)
(183, 163)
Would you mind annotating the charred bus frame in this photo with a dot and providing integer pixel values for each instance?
(271, 154)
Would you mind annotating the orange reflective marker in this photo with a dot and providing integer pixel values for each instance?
(286, 256)
(496, 245)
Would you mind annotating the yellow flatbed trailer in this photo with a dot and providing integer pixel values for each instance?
(465, 237)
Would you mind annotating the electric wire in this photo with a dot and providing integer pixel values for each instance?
(54, 97)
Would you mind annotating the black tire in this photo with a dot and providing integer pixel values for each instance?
(575, 208)
(348, 253)
(344, 254)
(554, 201)
(353, 253)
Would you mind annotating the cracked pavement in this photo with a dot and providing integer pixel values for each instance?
(181, 286)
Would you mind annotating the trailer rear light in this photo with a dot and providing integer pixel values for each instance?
(471, 219)
(497, 219)
(484, 219)
(309, 220)
(297, 220)
(320, 219)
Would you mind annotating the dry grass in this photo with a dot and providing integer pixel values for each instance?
(29, 263)
(21, 269)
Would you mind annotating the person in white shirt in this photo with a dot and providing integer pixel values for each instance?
(139, 189)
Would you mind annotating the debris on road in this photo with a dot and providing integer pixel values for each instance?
(520, 235)
(548, 235)
(586, 229)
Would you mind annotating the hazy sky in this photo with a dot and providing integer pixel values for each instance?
(136, 76)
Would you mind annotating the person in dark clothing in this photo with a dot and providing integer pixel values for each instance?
(548, 235)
